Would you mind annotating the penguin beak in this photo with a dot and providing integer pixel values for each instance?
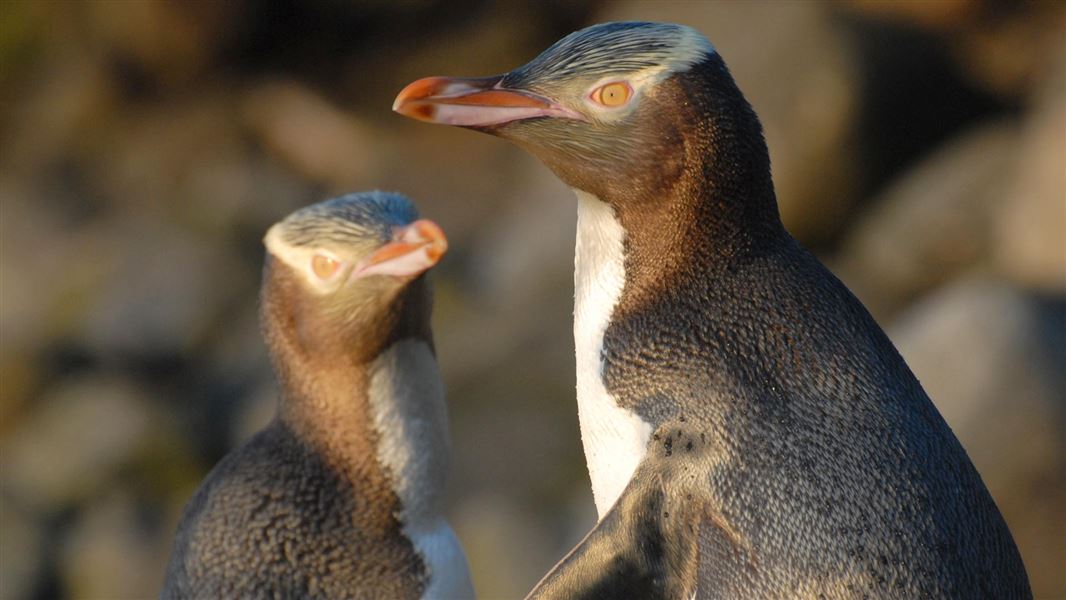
(414, 249)
(479, 102)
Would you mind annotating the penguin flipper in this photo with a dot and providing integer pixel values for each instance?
(646, 546)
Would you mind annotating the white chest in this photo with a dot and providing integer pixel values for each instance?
(410, 417)
(615, 439)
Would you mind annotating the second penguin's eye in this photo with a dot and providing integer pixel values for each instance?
(612, 95)
(324, 266)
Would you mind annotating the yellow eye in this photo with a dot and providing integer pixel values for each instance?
(324, 266)
(613, 94)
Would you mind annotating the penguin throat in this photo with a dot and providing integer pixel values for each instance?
(406, 397)
(615, 439)
(408, 413)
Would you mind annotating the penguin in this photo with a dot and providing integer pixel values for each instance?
(750, 431)
(340, 496)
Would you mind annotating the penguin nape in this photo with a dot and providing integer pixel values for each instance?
(750, 431)
(341, 495)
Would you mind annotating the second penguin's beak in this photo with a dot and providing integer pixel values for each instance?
(414, 249)
(478, 102)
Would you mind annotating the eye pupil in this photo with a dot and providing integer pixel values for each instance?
(612, 94)
(324, 266)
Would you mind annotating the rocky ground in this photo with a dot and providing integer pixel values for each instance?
(146, 147)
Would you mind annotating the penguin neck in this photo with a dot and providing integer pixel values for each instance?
(372, 409)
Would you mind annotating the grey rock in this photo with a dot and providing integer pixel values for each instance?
(991, 359)
(933, 222)
(21, 546)
(530, 245)
(163, 291)
(72, 444)
(503, 539)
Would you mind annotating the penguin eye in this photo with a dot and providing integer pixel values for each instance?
(324, 266)
(612, 95)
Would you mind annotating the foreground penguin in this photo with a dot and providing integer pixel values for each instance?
(340, 496)
(750, 431)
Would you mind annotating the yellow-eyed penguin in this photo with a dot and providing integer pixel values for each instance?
(750, 431)
(340, 496)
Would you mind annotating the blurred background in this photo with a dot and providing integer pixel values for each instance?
(145, 147)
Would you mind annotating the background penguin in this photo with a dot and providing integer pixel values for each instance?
(340, 496)
(749, 429)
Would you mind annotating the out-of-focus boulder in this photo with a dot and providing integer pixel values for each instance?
(991, 359)
(1030, 225)
(77, 437)
(1007, 49)
(315, 138)
(110, 551)
(801, 75)
(162, 289)
(509, 550)
(188, 162)
(529, 247)
(170, 43)
(21, 546)
(255, 412)
(933, 222)
(36, 274)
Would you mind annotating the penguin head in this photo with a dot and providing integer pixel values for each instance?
(608, 105)
(349, 268)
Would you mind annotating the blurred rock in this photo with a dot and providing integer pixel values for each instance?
(186, 161)
(507, 550)
(315, 138)
(1030, 227)
(66, 94)
(241, 353)
(163, 291)
(255, 412)
(34, 267)
(77, 437)
(530, 245)
(1006, 48)
(21, 375)
(801, 75)
(991, 359)
(110, 552)
(170, 43)
(145, 152)
(933, 222)
(22, 549)
(934, 15)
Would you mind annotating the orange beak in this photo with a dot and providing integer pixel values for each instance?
(473, 102)
(413, 249)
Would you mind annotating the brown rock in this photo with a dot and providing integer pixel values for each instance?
(1030, 228)
(109, 553)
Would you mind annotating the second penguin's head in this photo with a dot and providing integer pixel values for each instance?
(342, 277)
